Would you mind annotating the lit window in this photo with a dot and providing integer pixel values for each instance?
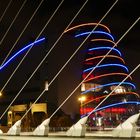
(120, 89)
(46, 85)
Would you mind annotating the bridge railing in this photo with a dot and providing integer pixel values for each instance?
(64, 129)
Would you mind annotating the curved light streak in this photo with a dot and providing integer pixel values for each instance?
(108, 48)
(107, 65)
(106, 40)
(87, 24)
(103, 41)
(117, 104)
(20, 51)
(108, 74)
(101, 56)
(111, 95)
(113, 105)
(109, 84)
(95, 32)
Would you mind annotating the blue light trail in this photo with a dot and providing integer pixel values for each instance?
(103, 48)
(21, 51)
(107, 65)
(109, 84)
(95, 32)
(113, 105)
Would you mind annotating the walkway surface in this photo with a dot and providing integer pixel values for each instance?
(95, 135)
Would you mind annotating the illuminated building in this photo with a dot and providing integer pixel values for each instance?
(124, 100)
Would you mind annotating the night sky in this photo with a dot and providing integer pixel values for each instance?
(119, 20)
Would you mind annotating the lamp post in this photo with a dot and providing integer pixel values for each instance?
(0, 94)
(82, 99)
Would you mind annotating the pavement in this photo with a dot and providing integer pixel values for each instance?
(95, 135)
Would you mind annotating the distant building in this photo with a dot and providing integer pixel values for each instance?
(32, 90)
(106, 76)
(33, 118)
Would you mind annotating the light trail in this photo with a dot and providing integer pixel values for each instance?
(92, 69)
(113, 105)
(107, 65)
(106, 40)
(117, 104)
(22, 32)
(66, 64)
(20, 51)
(95, 32)
(44, 57)
(86, 24)
(105, 48)
(101, 56)
(114, 89)
(108, 84)
(108, 74)
(114, 94)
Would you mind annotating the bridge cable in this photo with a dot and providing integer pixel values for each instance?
(45, 55)
(24, 57)
(114, 89)
(5, 10)
(94, 68)
(13, 22)
(22, 32)
(65, 63)
(23, 60)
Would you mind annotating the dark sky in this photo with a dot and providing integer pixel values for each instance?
(119, 20)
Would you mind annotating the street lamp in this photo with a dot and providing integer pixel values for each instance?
(0, 94)
(82, 99)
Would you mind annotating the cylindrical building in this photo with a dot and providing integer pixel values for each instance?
(124, 100)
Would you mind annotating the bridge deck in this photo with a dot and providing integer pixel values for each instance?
(97, 135)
